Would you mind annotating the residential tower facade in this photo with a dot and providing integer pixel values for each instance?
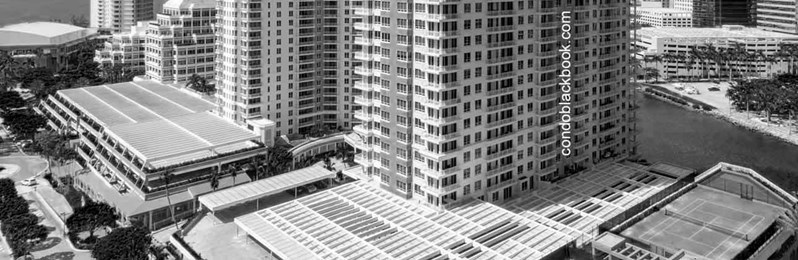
(287, 61)
(465, 99)
(777, 16)
(121, 15)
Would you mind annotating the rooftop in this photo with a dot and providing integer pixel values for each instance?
(690, 32)
(733, 223)
(360, 221)
(186, 4)
(41, 33)
(134, 112)
(662, 10)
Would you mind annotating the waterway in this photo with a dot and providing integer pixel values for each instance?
(673, 134)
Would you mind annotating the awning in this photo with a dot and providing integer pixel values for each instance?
(262, 188)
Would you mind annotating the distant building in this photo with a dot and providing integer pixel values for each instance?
(777, 16)
(44, 44)
(658, 41)
(116, 16)
(664, 17)
(124, 48)
(683, 5)
(715, 13)
(132, 133)
(181, 41)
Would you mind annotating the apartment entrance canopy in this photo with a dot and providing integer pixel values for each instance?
(266, 187)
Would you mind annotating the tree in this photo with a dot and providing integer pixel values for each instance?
(651, 73)
(167, 178)
(200, 84)
(29, 75)
(12, 207)
(118, 73)
(92, 216)
(214, 179)
(10, 99)
(278, 160)
(127, 243)
(79, 21)
(54, 147)
(23, 123)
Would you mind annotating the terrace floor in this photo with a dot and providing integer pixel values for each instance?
(706, 205)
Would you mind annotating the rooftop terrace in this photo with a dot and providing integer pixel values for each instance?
(359, 221)
(733, 222)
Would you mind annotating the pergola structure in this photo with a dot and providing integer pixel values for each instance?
(266, 187)
(360, 221)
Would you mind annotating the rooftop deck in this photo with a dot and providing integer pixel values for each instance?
(359, 221)
(707, 205)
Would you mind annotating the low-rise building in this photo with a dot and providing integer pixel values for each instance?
(125, 47)
(664, 17)
(762, 45)
(134, 134)
(44, 44)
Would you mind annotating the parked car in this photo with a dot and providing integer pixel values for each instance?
(311, 188)
(29, 181)
(714, 89)
(299, 190)
(321, 184)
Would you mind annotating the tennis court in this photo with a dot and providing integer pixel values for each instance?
(705, 222)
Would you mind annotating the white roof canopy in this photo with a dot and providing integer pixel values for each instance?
(262, 188)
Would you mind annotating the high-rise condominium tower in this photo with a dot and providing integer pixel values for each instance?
(777, 15)
(475, 99)
(181, 41)
(121, 15)
(714, 13)
(286, 61)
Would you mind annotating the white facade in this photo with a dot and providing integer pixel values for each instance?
(181, 41)
(286, 61)
(124, 48)
(121, 15)
(665, 17)
(683, 5)
(466, 101)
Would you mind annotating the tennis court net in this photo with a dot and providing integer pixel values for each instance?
(705, 224)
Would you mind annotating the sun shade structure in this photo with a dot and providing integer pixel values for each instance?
(161, 125)
(262, 188)
(360, 221)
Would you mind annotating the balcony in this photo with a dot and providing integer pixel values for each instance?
(500, 154)
(501, 28)
(502, 169)
(440, 138)
(363, 101)
(363, 160)
(489, 109)
(501, 122)
(439, 86)
(500, 91)
(502, 12)
(442, 190)
(440, 173)
(499, 44)
(440, 69)
(500, 75)
(441, 103)
(438, 51)
(440, 34)
(366, 117)
(547, 112)
(502, 59)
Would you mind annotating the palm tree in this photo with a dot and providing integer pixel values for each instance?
(233, 172)
(167, 177)
(214, 178)
(199, 84)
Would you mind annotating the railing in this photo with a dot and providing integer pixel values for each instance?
(500, 154)
(500, 170)
(499, 107)
(501, 122)
(500, 91)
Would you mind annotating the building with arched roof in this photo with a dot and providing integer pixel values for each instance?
(44, 44)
